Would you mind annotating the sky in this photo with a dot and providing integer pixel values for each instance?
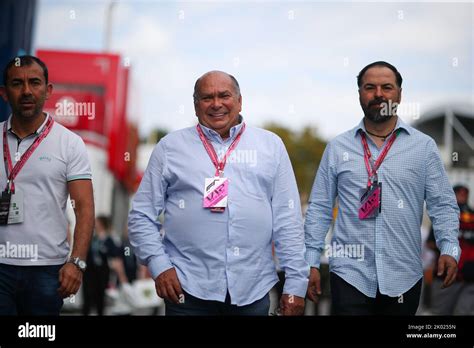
(296, 62)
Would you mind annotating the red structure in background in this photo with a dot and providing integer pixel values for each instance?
(90, 98)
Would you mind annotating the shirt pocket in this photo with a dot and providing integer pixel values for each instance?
(258, 182)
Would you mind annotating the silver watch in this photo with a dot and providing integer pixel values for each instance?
(81, 264)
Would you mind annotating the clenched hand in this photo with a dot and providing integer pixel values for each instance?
(168, 286)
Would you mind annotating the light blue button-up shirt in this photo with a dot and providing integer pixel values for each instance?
(218, 252)
(384, 251)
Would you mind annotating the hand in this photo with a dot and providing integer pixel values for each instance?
(291, 305)
(447, 269)
(70, 279)
(314, 285)
(168, 287)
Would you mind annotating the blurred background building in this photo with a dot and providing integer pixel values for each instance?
(452, 128)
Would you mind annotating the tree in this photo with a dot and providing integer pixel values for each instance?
(154, 136)
(305, 149)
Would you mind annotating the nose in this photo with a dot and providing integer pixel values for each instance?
(216, 103)
(27, 89)
(378, 91)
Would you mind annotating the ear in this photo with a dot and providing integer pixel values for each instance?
(3, 92)
(240, 103)
(195, 109)
(49, 90)
(400, 97)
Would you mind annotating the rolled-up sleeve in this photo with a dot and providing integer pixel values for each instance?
(288, 233)
(319, 214)
(143, 224)
(441, 204)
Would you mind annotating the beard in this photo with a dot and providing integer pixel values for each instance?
(377, 114)
(28, 114)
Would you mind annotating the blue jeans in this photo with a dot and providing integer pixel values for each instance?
(29, 290)
(195, 306)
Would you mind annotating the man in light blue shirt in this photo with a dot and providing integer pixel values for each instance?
(218, 260)
(375, 252)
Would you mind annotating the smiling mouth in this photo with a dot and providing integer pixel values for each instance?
(220, 114)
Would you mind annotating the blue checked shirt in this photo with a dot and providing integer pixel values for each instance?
(218, 252)
(384, 251)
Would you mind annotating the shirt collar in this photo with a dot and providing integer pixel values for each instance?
(38, 131)
(212, 134)
(400, 125)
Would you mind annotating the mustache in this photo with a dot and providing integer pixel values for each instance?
(27, 100)
(379, 100)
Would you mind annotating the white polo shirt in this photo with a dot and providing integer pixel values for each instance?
(61, 157)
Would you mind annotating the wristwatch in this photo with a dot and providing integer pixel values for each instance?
(81, 264)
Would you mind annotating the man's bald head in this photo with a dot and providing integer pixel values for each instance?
(234, 81)
(217, 102)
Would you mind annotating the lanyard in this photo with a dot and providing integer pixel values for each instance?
(19, 165)
(212, 153)
(372, 168)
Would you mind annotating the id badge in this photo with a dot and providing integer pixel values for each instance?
(370, 202)
(16, 208)
(5, 200)
(215, 194)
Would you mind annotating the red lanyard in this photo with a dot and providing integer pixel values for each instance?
(212, 153)
(19, 165)
(372, 170)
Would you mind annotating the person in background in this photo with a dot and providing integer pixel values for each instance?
(101, 255)
(459, 298)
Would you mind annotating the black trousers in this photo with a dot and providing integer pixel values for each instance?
(94, 284)
(347, 300)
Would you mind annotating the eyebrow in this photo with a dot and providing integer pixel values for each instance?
(373, 84)
(218, 93)
(19, 79)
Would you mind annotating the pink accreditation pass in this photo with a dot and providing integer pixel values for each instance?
(215, 194)
(370, 202)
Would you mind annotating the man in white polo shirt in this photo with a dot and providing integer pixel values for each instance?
(41, 164)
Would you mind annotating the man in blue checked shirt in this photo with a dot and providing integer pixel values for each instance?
(227, 191)
(382, 172)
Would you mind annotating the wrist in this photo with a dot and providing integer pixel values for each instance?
(79, 263)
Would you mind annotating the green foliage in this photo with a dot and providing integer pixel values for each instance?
(305, 149)
(155, 136)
